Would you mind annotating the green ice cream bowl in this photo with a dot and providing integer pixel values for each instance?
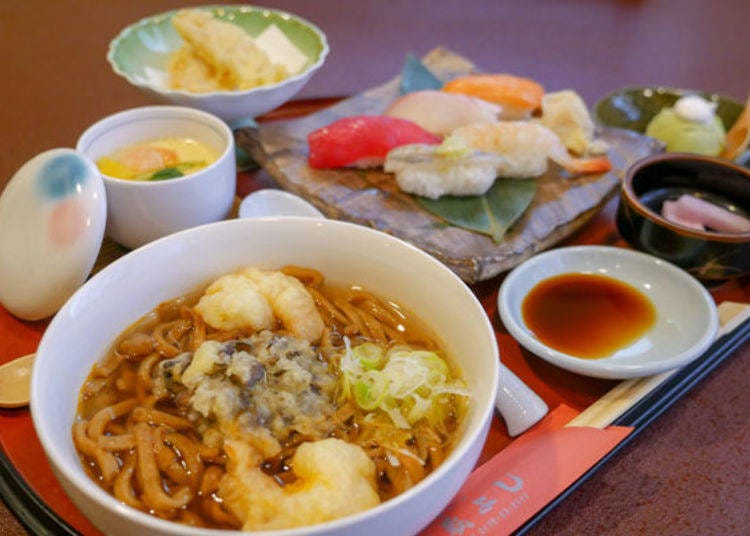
(632, 108)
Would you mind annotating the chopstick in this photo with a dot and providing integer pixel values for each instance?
(640, 400)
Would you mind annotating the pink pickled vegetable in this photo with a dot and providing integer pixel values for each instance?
(695, 213)
(673, 212)
(363, 140)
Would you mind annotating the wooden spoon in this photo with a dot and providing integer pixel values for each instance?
(15, 380)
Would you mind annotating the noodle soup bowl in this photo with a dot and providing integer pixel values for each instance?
(111, 301)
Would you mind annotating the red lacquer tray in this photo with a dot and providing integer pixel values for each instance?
(29, 488)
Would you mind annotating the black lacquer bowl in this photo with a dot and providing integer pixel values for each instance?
(709, 256)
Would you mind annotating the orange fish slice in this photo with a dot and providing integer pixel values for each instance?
(518, 96)
(738, 137)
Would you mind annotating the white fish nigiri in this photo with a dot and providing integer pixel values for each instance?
(451, 168)
(440, 113)
(526, 146)
(695, 213)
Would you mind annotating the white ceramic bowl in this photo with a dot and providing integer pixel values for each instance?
(141, 52)
(113, 299)
(686, 323)
(139, 211)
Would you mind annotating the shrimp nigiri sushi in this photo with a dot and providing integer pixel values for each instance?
(451, 168)
(440, 112)
(526, 146)
(362, 141)
(519, 97)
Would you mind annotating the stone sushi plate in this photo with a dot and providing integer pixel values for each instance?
(562, 203)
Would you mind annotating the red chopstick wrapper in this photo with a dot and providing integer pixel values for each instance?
(505, 492)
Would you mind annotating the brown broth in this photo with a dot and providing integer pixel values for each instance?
(586, 315)
(115, 379)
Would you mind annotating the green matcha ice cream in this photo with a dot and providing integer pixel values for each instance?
(691, 126)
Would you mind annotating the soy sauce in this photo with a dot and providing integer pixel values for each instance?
(587, 315)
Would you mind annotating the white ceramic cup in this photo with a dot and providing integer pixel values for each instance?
(139, 212)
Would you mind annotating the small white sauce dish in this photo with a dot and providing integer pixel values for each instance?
(139, 212)
(686, 323)
(271, 202)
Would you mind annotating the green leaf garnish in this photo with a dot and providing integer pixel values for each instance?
(416, 77)
(492, 213)
(187, 167)
(166, 173)
(180, 170)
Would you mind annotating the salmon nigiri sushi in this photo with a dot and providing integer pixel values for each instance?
(363, 141)
(519, 97)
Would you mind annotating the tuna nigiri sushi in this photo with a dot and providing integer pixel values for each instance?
(518, 96)
(440, 112)
(362, 141)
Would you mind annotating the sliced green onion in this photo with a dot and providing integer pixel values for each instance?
(370, 355)
(404, 383)
(369, 391)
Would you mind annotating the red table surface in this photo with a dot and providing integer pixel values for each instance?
(20, 443)
(686, 474)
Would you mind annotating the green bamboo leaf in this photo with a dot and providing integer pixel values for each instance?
(492, 213)
(416, 77)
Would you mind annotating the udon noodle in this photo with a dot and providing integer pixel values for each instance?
(206, 426)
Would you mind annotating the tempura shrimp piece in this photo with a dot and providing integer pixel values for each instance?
(526, 147)
(565, 114)
(233, 301)
(231, 53)
(290, 302)
(187, 71)
(334, 479)
(143, 158)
